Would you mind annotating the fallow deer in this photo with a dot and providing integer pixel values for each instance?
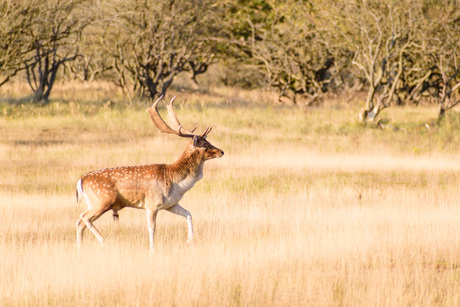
(151, 187)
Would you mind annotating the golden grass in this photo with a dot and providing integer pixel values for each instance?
(317, 241)
(319, 217)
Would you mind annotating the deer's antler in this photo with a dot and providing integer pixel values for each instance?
(207, 131)
(173, 120)
(174, 125)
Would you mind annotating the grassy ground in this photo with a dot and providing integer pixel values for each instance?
(307, 207)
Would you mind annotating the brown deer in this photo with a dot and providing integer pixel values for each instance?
(151, 187)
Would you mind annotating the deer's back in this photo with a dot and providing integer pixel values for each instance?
(127, 186)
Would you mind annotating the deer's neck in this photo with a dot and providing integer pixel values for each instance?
(188, 167)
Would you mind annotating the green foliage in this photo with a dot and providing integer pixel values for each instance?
(400, 52)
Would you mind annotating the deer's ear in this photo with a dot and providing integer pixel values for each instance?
(195, 140)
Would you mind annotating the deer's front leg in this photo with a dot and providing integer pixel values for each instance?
(176, 209)
(151, 222)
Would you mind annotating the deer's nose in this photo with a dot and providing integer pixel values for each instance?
(222, 152)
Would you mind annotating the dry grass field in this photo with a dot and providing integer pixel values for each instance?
(306, 208)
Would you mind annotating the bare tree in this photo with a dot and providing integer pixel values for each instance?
(444, 52)
(14, 19)
(152, 42)
(434, 70)
(55, 29)
(286, 41)
(380, 35)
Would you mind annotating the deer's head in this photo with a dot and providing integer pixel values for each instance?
(198, 142)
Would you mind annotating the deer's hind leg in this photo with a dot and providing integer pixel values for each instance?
(115, 216)
(86, 221)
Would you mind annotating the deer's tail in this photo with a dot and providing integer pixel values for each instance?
(79, 193)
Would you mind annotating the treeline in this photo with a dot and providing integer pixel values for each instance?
(400, 52)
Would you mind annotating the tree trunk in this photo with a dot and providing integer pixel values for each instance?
(366, 111)
(379, 106)
(46, 82)
(38, 96)
(441, 113)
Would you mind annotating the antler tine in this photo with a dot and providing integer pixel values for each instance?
(160, 123)
(207, 131)
(185, 134)
(172, 118)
